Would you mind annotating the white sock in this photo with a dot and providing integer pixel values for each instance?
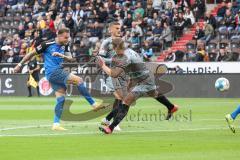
(56, 124)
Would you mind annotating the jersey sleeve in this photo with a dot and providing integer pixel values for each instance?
(105, 47)
(106, 50)
(67, 51)
(67, 48)
(41, 48)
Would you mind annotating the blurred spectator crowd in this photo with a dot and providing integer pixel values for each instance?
(216, 39)
(148, 26)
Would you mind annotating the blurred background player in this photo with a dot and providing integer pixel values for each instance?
(231, 117)
(141, 83)
(115, 85)
(33, 70)
(54, 53)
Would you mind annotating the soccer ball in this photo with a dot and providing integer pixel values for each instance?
(222, 84)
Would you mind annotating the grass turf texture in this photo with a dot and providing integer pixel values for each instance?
(198, 132)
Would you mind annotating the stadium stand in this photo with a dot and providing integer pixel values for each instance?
(156, 30)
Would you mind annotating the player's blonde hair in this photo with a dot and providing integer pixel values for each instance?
(63, 30)
(118, 44)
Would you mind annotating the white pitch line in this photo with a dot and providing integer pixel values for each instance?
(96, 123)
(24, 127)
(210, 119)
(97, 133)
(47, 125)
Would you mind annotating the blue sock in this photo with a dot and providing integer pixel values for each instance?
(236, 112)
(59, 109)
(83, 90)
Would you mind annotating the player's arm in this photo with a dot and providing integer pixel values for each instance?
(38, 50)
(25, 59)
(112, 72)
(67, 56)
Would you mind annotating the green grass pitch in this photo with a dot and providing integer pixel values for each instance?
(197, 132)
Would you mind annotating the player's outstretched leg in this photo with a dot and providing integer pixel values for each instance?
(107, 119)
(230, 121)
(121, 113)
(83, 90)
(171, 107)
(58, 113)
(73, 79)
(231, 117)
(235, 113)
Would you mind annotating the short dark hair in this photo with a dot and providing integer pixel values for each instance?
(63, 30)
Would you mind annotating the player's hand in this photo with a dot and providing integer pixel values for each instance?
(30, 71)
(56, 54)
(16, 69)
(100, 61)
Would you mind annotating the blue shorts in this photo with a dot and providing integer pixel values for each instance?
(58, 79)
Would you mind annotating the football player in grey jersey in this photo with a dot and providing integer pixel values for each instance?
(116, 85)
(129, 62)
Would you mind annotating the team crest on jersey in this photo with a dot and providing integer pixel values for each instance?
(63, 48)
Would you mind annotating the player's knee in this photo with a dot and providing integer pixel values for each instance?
(129, 100)
(73, 79)
(118, 95)
(79, 80)
(60, 92)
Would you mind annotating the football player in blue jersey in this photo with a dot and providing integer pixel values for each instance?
(54, 53)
